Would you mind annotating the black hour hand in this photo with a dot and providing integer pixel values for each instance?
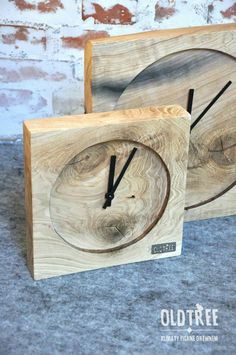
(110, 194)
(110, 179)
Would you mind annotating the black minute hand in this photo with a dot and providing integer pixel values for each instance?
(190, 101)
(110, 195)
(216, 98)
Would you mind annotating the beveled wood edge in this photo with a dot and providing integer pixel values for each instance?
(28, 199)
(100, 119)
(163, 33)
(88, 101)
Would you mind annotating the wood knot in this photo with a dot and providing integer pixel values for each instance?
(223, 150)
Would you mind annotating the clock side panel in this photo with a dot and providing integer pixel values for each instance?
(28, 200)
(50, 152)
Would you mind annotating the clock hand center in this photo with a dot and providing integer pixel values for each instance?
(110, 194)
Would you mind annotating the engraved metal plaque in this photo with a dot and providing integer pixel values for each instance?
(163, 248)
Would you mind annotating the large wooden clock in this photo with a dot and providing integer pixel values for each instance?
(194, 67)
(105, 189)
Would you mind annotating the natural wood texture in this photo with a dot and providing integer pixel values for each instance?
(163, 67)
(67, 166)
(28, 200)
(139, 203)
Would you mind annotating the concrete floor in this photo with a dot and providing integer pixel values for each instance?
(116, 310)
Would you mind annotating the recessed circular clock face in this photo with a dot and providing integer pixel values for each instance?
(212, 158)
(109, 196)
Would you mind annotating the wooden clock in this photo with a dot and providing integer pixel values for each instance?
(193, 67)
(105, 189)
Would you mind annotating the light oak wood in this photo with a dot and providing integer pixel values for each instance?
(28, 200)
(163, 67)
(139, 203)
(67, 165)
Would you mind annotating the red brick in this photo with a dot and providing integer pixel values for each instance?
(117, 14)
(80, 41)
(230, 12)
(50, 6)
(28, 73)
(20, 34)
(15, 71)
(42, 6)
(31, 101)
(14, 33)
(24, 5)
(162, 12)
(42, 40)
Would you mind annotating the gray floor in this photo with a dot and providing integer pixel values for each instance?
(116, 310)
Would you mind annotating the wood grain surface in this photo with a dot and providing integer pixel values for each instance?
(77, 197)
(165, 66)
(212, 155)
(67, 164)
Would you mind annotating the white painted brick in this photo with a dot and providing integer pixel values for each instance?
(69, 99)
(17, 105)
(34, 73)
(40, 44)
(70, 13)
(22, 42)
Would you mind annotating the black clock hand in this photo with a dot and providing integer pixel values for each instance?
(210, 105)
(109, 196)
(190, 100)
(111, 178)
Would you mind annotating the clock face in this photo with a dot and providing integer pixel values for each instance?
(109, 196)
(212, 156)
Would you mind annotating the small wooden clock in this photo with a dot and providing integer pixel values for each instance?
(105, 189)
(193, 67)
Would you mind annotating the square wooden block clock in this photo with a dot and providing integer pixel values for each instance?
(105, 189)
(193, 67)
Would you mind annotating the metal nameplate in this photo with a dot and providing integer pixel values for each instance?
(163, 248)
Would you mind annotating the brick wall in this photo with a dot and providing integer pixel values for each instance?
(42, 41)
